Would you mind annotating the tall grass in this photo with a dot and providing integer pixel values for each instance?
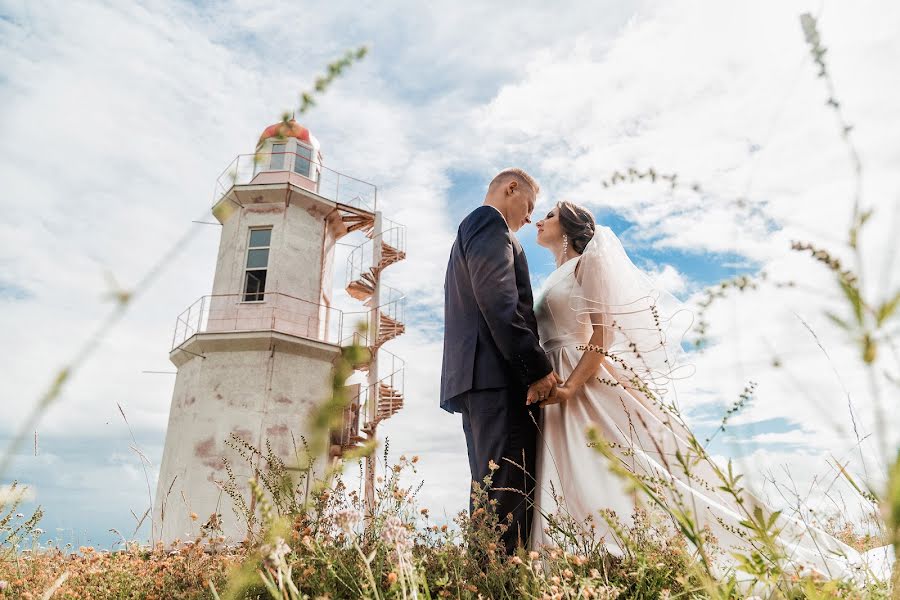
(312, 537)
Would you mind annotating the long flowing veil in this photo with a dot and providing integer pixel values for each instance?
(644, 326)
(644, 329)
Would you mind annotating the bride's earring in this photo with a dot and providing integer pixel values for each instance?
(565, 247)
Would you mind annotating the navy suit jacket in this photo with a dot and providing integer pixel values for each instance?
(490, 332)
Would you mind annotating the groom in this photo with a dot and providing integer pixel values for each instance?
(493, 362)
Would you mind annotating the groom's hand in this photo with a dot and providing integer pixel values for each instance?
(560, 395)
(542, 389)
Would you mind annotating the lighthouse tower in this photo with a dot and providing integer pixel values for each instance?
(256, 356)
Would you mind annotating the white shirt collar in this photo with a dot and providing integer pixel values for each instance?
(501, 214)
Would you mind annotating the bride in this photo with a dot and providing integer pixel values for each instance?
(614, 338)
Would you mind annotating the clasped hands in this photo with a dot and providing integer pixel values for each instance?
(547, 390)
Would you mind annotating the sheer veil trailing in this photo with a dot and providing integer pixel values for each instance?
(644, 326)
(644, 329)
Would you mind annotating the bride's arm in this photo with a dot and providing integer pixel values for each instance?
(590, 361)
(588, 365)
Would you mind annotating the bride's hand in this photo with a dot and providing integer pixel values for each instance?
(562, 394)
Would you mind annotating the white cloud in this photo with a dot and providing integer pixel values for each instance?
(698, 94)
(113, 135)
(669, 279)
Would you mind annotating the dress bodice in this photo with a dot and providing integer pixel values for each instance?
(558, 324)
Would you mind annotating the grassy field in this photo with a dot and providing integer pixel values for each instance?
(322, 545)
(328, 550)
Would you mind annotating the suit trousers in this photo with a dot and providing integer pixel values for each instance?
(498, 426)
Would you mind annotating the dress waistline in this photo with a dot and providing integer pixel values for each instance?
(563, 341)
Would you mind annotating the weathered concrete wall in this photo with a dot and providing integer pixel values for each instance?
(300, 253)
(259, 387)
(295, 256)
(295, 268)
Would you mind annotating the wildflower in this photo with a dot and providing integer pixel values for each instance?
(3, 585)
(348, 519)
(533, 555)
(275, 553)
(568, 574)
(515, 560)
(395, 534)
(415, 459)
(608, 592)
(492, 465)
(193, 516)
(392, 578)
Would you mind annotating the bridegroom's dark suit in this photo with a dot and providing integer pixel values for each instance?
(491, 356)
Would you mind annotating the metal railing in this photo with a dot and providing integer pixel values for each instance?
(356, 413)
(362, 258)
(393, 305)
(276, 312)
(395, 380)
(290, 167)
(349, 428)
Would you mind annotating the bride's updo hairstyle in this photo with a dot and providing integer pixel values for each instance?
(578, 224)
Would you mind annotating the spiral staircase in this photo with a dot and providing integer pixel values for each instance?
(382, 396)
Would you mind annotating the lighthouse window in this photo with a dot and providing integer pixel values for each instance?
(257, 265)
(257, 258)
(303, 160)
(260, 238)
(277, 161)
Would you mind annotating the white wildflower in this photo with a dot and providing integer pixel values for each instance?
(348, 519)
(275, 553)
(395, 534)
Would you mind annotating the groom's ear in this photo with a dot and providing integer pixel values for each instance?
(511, 186)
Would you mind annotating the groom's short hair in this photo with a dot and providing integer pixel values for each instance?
(519, 175)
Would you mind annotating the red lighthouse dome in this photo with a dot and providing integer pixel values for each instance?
(288, 129)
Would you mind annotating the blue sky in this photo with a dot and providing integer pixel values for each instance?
(113, 134)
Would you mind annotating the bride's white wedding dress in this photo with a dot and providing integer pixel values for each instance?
(574, 480)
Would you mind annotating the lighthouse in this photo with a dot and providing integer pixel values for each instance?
(256, 356)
